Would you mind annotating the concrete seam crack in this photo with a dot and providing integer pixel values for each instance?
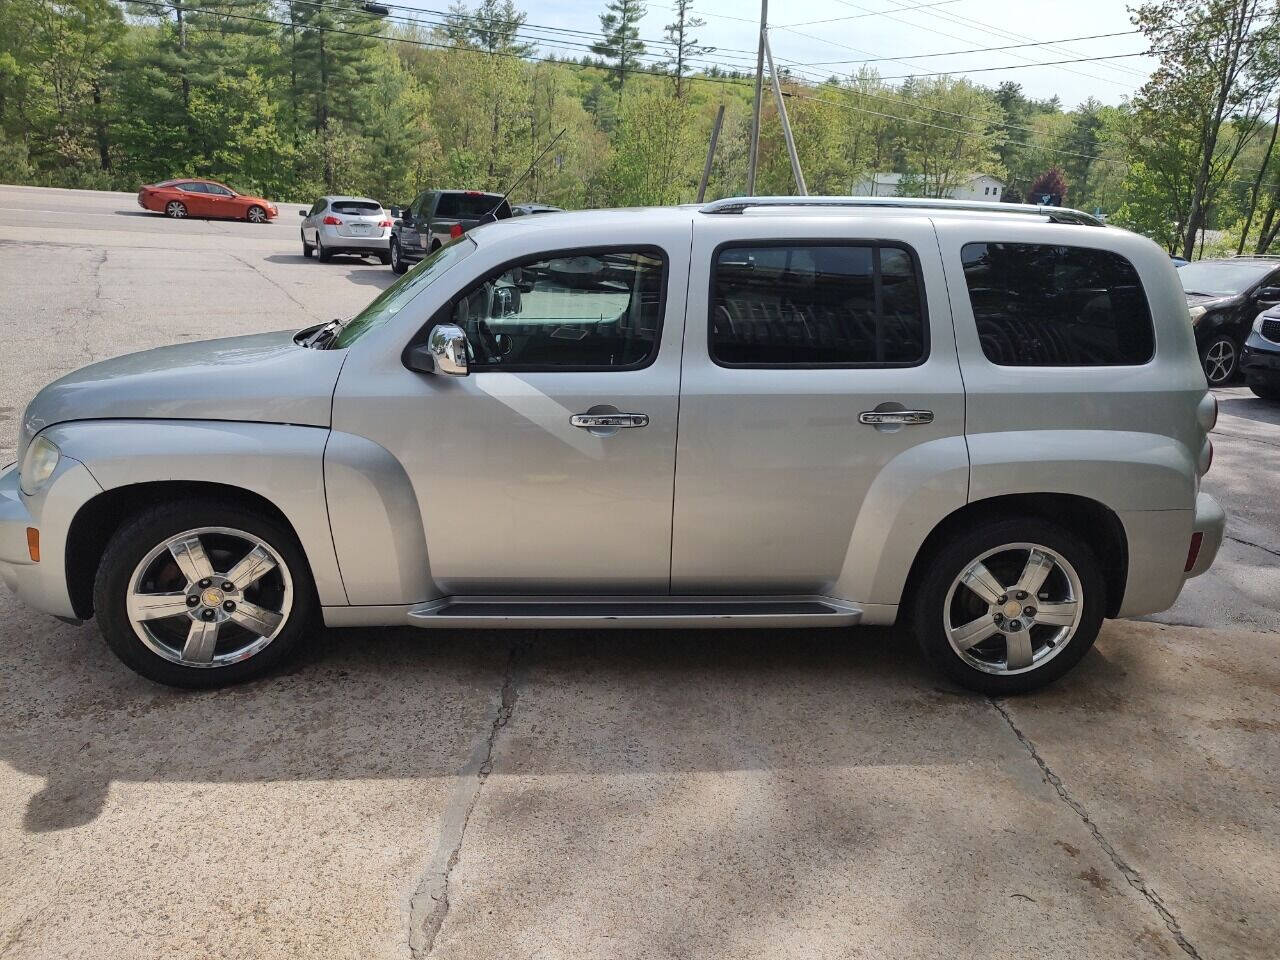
(429, 905)
(1134, 878)
(1256, 546)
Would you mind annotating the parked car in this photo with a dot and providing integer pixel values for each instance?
(355, 225)
(1260, 356)
(437, 216)
(988, 422)
(1224, 296)
(529, 209)
(206, 199)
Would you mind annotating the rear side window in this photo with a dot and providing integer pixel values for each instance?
(356, 207)
(812, 305)
(1041, 305)
(467, 206)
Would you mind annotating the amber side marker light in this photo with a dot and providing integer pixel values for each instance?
(1193, 551)
(33, 544)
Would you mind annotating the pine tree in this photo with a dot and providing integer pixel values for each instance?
(620, 45)
(685, 46)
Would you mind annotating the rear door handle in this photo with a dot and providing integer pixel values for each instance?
(898, 417)
(593, 421)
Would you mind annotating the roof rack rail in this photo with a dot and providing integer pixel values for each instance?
(1053, 214)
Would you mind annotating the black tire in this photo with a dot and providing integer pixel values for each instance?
(1220, 358)
(1265, 391)
(175, 210)
(384, 257)
(324, 255)
(306, 247)
(929, 603)
(152, 527)
(396, 260)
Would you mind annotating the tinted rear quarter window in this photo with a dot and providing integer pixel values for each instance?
(1046, 305)
(810, 305)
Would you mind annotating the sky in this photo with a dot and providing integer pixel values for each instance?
(888, 29)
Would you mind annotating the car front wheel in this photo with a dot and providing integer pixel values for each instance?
(256, 214)
(397, 261)
(203, 595)
(1009, 606)
(1219, 356)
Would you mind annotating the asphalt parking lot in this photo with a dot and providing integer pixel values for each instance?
(645, 794)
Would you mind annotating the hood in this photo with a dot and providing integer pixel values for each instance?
(260, 200)
(1209, 300)
(264, 378)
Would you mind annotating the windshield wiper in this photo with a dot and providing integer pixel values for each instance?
(325, 334)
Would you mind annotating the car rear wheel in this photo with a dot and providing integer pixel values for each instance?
(1219, 357)
(324, 255)
(256, 214)
(306, 247)
(203, 595)
(175, 209)
(397, 260)
(1009, 606)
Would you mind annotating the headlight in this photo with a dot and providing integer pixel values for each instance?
(38, 465)
(1197, 313)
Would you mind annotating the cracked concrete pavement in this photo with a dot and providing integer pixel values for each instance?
(665, 794)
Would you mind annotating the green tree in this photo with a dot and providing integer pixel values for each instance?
(684, 45)
(620, 45)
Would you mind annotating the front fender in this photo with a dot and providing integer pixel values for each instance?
(282, 463)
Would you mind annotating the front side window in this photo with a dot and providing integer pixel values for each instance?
(1045, 305)
(217, 191)
(805, 305)
(316, 207)
(593, 310)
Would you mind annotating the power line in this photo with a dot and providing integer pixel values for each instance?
(874, 13)
(956, 53)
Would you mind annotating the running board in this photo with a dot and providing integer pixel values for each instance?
(634, 612)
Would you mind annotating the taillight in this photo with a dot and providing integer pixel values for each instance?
(384, 223)
(331, 222)
(455, 231)
(475, 193)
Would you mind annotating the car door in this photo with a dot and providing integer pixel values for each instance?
(195, 198)
(821, 405)
(518, 495)
(222, 202)
(412, 228)
(311, 225)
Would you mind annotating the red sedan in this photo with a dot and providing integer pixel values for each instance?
(204, 198)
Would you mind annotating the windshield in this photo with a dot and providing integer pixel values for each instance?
(397, 296)
(1222, 278)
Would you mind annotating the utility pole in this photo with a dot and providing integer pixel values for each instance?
(782, 115)
(755, 110)
(711, 153)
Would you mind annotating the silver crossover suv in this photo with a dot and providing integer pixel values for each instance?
(346, 225)
(986, 421)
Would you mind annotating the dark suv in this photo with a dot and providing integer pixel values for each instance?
(436, 217)
(1224, 297)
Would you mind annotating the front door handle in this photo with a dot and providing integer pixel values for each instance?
(594, 421)
(877, 418)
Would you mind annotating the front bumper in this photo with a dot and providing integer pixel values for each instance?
(1260, 359)
(42, 585)
(1211, 524)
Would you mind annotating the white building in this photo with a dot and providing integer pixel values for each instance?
(979, 186)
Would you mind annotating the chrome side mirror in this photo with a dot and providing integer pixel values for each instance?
(448, 347)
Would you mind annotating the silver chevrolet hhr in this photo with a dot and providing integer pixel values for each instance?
(987, 421)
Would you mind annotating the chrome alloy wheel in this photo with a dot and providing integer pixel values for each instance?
(257, 215)
(209, 597)
(1013, 609)
(1220, 361)
(176, 209)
